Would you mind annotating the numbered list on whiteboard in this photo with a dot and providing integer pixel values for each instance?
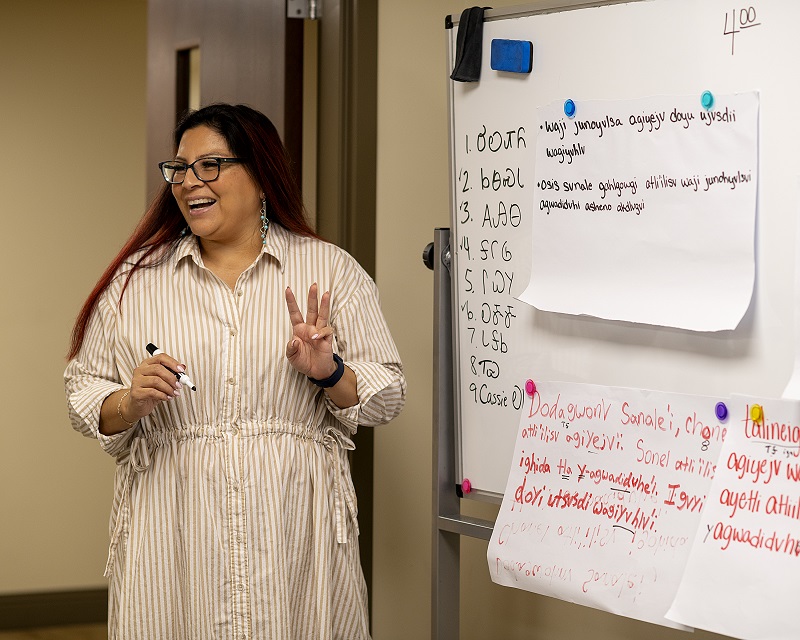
(492, 181)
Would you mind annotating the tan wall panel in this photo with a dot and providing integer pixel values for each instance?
(72, 125)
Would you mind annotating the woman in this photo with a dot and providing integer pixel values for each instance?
(234, 513)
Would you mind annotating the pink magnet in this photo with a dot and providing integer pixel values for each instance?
(466, 486)
(530, 387)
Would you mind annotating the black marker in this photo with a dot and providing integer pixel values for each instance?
(153, 350)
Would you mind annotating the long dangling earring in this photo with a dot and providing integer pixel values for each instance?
(264, 220)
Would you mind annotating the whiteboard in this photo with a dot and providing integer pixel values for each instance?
(612, 52)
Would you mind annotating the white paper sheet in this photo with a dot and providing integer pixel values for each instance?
(644, 210)
(604, 496)
(743, 574)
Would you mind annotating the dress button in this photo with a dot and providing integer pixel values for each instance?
(233, 332)
(240, 293)
(240, 587)
(231, 381)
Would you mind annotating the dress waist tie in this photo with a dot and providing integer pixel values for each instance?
(344, 495)
(137, 460)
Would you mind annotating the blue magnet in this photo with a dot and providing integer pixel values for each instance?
(721, 410)
(512, 55)
(569, 108)
(707, 100)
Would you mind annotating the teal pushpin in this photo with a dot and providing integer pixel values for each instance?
(707, 100)
(569, 109)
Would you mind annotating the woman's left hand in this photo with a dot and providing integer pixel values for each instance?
(310, 351)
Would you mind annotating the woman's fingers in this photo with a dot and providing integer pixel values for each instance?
(156, 376)
(322, 333)
(312, 307)
(324, 311)
(294, 311)
(318, 312)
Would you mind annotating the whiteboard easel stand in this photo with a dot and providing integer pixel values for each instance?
(448, 523)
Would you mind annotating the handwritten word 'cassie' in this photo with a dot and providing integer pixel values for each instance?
(498, 398)
(726, 534)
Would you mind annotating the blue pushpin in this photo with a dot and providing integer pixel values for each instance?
(569, 108)
(707, 100)
(721, 411)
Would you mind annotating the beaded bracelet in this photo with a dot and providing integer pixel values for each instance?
(334, 377)
(119, 408)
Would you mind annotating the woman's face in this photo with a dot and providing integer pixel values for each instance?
(226, 210)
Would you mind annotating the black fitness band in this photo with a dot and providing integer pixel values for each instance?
(334, 377)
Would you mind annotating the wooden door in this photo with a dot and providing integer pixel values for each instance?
(250, 53)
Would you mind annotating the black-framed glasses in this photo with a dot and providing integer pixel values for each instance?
(206, 169)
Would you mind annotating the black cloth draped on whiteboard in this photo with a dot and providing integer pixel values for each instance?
(469, 43)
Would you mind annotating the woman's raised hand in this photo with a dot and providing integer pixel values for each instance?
(310, 350)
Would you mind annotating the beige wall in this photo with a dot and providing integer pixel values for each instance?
(72, 127)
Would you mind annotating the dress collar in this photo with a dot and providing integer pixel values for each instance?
(276, 246)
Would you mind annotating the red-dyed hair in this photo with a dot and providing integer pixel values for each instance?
(252, 137)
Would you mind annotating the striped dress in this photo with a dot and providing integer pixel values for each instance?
(234, 514)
